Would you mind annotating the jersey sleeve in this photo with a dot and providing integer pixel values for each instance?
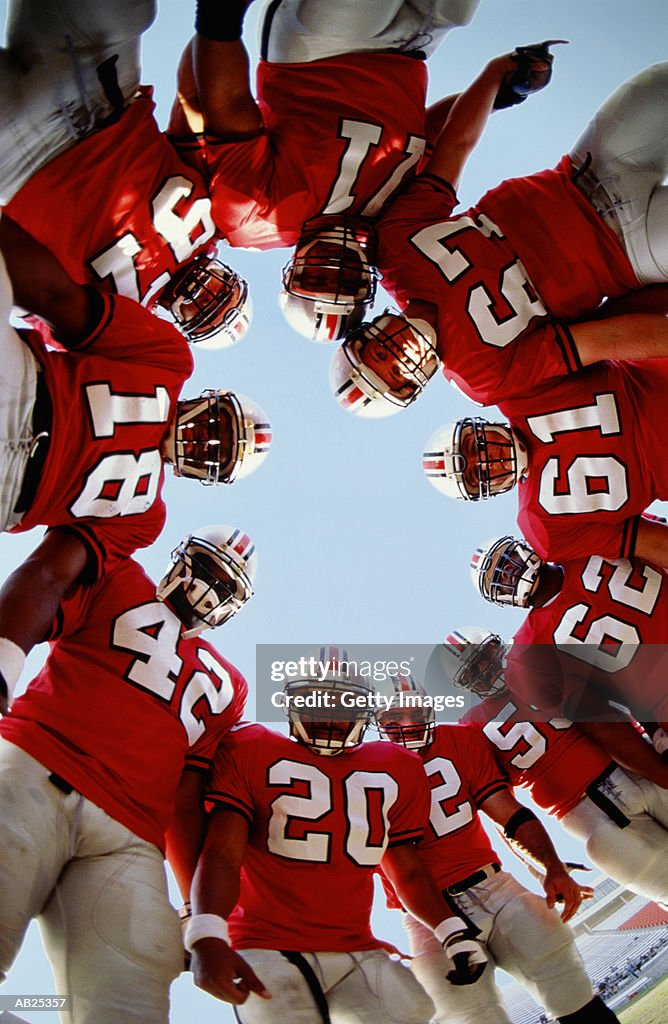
(570, 541)
(230, 786)
(129, 333)
(484, 775)
(107, 540)
(410, 814)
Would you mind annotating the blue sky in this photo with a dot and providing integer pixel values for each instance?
(355, 546)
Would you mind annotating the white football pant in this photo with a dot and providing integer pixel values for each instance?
(69, 65)
(522, 936)
(302, 30)
(99, 894)
(637, 855)
(360, 988)
(628, 142)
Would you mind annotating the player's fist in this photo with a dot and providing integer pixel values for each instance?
(220, 971)
(532, 73)
(561, 888)
(467, 956)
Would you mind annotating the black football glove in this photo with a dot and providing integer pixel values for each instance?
(524, 80)
(467, 955)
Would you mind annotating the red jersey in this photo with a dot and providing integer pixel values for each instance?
(318, 828)
(553, 760)
(120, 209)
(595, 460)
(610, 622)
(341, 135)
(462, 774)
(123, 702)
(112, 402)
(500, 273)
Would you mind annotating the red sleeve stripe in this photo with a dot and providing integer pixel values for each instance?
(406, 833)
(198, 764)
(629, 537)
(566, 343)
(224, 803)
(407, 841)
(498, 786)
(440, 184)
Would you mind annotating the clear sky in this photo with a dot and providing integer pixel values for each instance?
(355, 546)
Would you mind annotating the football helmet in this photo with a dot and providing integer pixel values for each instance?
(408, 718)
(473, 659)
(330, 281)
(210, 577)
(384, 365)
(506, 571)
(209, 302)
(333, 724)
(218, 438)
(472, 459)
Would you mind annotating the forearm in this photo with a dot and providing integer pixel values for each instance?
(415, 887)
(628, 336)
(466, 122)
(652, 542)
(437, 115)
(49, 571)
(42, 286)
(185, 835)
(533, 841)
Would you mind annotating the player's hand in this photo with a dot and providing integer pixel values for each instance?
(220, 971)
(561, 888)
(531, 72)
(467, 956)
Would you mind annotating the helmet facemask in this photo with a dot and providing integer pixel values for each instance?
(209, 580)
(474, 459)
(219, 437)
(209, 302)
(478, 662)
(506, 572)
(384, 365)
(405, 717)
(330, 281)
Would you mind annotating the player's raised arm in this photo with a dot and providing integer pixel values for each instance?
(505, 80)
(216, 968)
(213, 81)
(42, 286)
(29, 600)
(522, 827)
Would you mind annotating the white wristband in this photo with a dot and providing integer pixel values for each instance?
(12, 660)
(448, 927)
(205, 926)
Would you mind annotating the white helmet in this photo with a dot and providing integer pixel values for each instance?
(473, 659)
(384, 365)
(407, 716)
(491, 451)
(329, 283)
(209, 302)
(211, 576)
(199, 447)
(506, 571)
(333, 724)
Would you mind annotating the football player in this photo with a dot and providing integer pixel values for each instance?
(488, 291)
(580, 452)
(90, 174)
(86, 431)
(120, 724)
(596, 627)
(567, 768)
(523, 932)
(339, 125)
(298, 828)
